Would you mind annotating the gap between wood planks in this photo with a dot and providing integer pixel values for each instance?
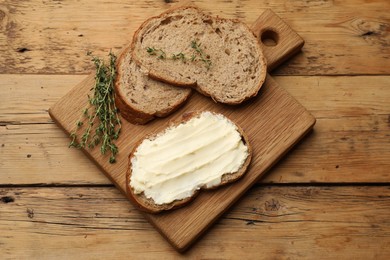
(291, 184)
(19, 123)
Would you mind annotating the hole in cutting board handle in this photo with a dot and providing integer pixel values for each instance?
(269, 37)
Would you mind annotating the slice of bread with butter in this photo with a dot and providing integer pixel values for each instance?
(203, 151)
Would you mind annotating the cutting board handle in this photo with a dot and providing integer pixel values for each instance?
(278, 40)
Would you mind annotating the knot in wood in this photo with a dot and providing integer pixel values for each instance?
(30, 213)
(7, 199)
(272, 205)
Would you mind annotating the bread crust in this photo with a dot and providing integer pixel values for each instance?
(154, 74)
(126, 109)
(147, 205)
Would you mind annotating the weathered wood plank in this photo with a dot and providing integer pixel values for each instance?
(342, 37)
(39, 154)
(349, 142)
(282, 222)
(355, 150)
(340, 97)
(26, 98)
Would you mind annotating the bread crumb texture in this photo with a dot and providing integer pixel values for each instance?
(237, 69)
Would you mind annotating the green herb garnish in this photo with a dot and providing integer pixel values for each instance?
(156, 52)
(179, 56)
(198, 54)
(104, 112)
(203, 57)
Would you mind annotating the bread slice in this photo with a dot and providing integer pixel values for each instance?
(203, 150)
(140, 98)
(222, 57)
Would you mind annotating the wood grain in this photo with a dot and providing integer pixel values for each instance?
(278, 40)
(271, 222)
(326, 97)
(352, 121)
(342, 37)
(27, 98)
(273, 121)
(348, 145)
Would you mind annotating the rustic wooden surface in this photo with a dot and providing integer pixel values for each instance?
(329, 198)
(273, 121)
(271, 222)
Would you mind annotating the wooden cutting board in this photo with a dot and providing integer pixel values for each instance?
(273, 121)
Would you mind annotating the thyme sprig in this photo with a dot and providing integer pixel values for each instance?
(157, 52)
(103, 111)
(197, 54)
(203, 57)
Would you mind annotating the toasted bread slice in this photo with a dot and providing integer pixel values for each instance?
(140, 98)
(220, 58)
(204, 150)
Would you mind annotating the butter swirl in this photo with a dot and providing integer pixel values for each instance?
(186, 157)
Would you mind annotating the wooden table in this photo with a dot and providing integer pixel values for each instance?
(328, 198)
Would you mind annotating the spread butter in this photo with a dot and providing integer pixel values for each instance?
(186, 157)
